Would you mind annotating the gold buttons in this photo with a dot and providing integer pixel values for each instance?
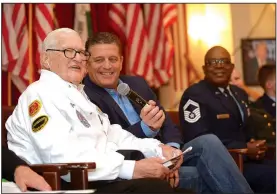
(269, 124)
(265, 116)
(273, 133)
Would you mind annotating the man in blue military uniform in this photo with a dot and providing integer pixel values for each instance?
(214, 106)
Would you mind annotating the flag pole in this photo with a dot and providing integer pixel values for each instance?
(55, 21)
(190, 65)
(176, 56)
(30, 39)
(9, 88)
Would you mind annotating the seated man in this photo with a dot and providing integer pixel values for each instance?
(213, 106)
(54, 123)
(260, 124)
(201, 172)
(16, 170)
(267, 80)
(265, 106)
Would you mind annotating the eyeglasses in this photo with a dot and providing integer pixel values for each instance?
(71, 53)
(213, 62)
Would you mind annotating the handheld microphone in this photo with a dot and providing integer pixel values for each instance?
(125, 90)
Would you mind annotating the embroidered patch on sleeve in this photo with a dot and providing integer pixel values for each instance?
(82, 119)
(191, 111)
(39, 123)
(34, 108)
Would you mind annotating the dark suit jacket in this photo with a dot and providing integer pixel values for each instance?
(262, 124)
(267, 104)
(9, 163)
(217, 115)
(99, 96)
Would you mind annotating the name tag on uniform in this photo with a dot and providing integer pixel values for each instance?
(223, 116)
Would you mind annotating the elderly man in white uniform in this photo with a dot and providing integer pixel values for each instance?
(54, 122)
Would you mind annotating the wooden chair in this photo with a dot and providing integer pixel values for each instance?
(52, 172)
(237, 155)
(78, 173)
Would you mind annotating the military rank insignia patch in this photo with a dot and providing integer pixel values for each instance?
(34, 108)
(39, 123)
(82, 119)
(191, 111)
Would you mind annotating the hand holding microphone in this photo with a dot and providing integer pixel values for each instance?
(150, 113)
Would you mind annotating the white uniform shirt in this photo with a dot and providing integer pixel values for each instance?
(55, 123)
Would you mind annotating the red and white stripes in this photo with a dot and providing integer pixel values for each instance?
(44, 23)
(20, 25)
(149, 54)
(162, 52)
(169, 14)
(127, 21)
(15, 44)
(10, 51)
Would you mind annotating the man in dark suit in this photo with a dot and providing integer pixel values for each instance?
(212, 106)
(253, 65)
(16, 170)
(201, 172)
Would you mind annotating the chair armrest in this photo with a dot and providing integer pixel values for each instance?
(79, 174)
(81, 165)
(237, 155)
(238, 151)
(52, 173)
(41, 168)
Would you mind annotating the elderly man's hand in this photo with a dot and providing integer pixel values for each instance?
(152, 116)
(173, 178)
(150, 168)
(170, 152)
(25, 177)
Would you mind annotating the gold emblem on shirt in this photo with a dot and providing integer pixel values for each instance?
(39, 123)
(34, 108)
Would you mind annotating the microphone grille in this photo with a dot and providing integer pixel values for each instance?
(123, 89)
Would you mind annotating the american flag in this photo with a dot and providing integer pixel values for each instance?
(10, 51)
(15, 44)
(169, 14)
(127, 21)
(43, 24)
(158, 17)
